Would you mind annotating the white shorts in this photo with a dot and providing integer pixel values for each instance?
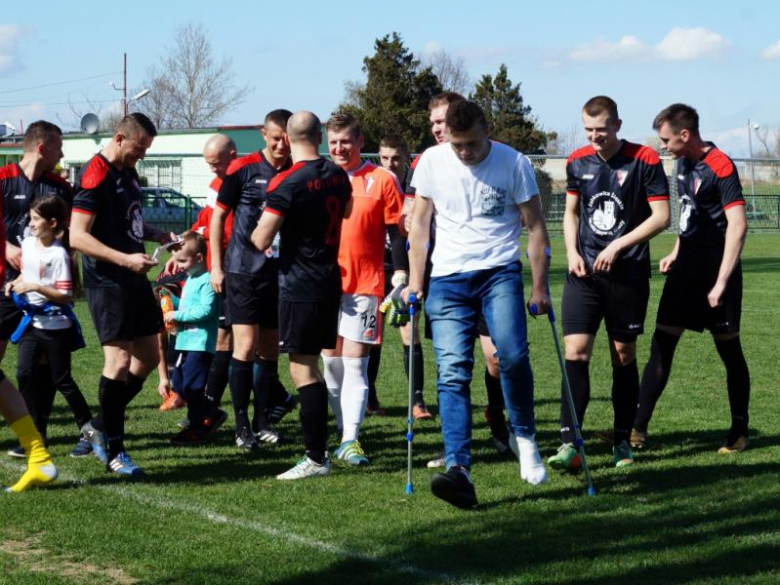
(360, 319)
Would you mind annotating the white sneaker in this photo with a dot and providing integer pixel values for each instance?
(306, 468)
(436, 462)
(531, 465)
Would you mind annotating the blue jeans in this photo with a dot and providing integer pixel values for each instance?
(453, 306)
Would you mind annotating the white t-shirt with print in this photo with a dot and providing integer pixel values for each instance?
(476, 208)
(49, 267)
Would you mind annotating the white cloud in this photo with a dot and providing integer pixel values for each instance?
(771, 52)
(9, 42)
(681, 44)
(601, 50)
(689, 44)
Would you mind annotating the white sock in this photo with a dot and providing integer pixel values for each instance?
(334, 378)
(354, 396)
(531, 466)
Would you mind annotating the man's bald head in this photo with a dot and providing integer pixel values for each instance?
(219, 152)
(304, 127)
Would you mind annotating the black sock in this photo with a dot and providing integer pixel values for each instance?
(112, 409)
(133, 386)
(264, 382)
(419, 377)
(218, 379)
(625, 393)
(279, 395)
(495, 396)
(374, 359)
(738, 382)
(241, 390)
(579, 380)
(314, 419)
(655, 376)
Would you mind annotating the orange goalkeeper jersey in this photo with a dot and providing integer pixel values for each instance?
(377, 200)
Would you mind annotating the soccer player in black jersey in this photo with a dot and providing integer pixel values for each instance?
(703, 287)
(107, 227)
(617, 199)
(306, 205)
(250, 279)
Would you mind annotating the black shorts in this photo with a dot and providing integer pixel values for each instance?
(622, 306)
(254, 300)
(308, 327)
(124, 313)
(10, 315)
(684, 302)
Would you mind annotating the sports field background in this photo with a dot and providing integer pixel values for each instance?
(683, 514)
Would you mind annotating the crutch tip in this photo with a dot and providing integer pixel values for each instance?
(591, 491)
(410, 488)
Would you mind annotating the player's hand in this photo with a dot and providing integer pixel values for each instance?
(168, 317)
(13, 255)
(217, 280)
(395, 309)
(715, 296)
(139, 263)
(607, 258)
(667, 263)
(164, 389)
(539, 303)
(409, 290)
(577, 266)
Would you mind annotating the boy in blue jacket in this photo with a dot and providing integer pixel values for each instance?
(196, 317)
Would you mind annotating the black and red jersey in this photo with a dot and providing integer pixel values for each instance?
(614, 198)
(18, 194)
(707, 188)
(114, 198)
(410, 191)
(243, 192)
(312, 196)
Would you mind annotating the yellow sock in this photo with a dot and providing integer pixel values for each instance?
(31, 440)
(40, 468)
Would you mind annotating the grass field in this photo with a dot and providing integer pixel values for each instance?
(683, 514)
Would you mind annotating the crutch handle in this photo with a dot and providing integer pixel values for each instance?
(412, 304)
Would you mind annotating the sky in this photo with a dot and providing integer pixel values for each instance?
(722, 58)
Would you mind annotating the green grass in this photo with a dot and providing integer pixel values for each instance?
(683, 514)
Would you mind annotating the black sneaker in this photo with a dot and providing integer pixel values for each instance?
(186, 438)
(212, 422)
(82, 449)
(271, 435)
(245, 439)
(454, 487)
(278, 412)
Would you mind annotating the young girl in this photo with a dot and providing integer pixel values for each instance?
(44, 290)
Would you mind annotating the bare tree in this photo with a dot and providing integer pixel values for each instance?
(191, 88)
(450, 70)
(352, 93)
(566, 141)
(769, 139)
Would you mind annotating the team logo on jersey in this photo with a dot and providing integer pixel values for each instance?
(136, 221)
(587, 176)
(21, 196)
(492, 201)
(605, 209)
(621, 177)
(696, 185)
(686, 210)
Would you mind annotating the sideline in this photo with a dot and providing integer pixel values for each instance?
(162, 503)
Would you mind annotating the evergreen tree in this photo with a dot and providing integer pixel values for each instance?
(395, 98)
(509, 120)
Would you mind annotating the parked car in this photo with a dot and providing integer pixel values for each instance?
(168, 209)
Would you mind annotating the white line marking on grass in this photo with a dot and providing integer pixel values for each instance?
(217, 518)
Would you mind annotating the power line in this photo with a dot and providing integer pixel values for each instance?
(60, 83)
(22, 105)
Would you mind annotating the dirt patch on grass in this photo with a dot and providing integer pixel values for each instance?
(36, 559)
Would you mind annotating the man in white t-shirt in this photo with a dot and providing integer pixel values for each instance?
(479, 192)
